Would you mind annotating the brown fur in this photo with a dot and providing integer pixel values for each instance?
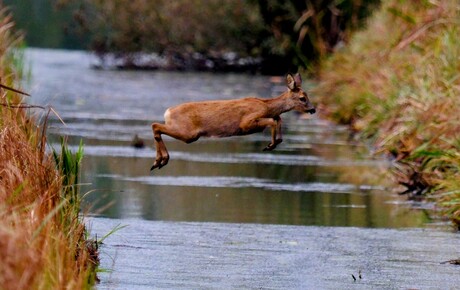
(190, 121)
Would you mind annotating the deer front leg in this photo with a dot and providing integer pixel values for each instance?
(276, 132)
(279, 137)
(251, 125)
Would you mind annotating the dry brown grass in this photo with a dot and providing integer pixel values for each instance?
(39, 247)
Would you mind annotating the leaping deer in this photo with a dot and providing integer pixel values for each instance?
(224, 118)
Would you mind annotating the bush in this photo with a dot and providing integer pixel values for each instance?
(398, 83)
(285, 34)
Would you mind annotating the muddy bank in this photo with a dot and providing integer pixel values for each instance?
(149, 254)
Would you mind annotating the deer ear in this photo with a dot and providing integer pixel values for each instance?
(298, 80)
(290, 82)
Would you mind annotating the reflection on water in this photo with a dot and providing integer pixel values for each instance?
(313, 178)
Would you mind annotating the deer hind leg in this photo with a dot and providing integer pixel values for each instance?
(162, 155)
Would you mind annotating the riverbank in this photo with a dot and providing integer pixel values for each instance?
(43, 243)
(397, 84)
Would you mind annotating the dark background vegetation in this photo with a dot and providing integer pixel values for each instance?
(272, 36)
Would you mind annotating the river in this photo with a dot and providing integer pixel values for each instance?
(316, 177)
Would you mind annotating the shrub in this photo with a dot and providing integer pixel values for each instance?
(398, 83)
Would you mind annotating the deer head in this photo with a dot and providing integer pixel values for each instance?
(297, 96)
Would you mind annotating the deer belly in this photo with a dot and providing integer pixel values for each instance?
(235, 130)
(251, 131)
(223, 129)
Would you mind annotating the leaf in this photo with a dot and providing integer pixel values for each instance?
(114, 230)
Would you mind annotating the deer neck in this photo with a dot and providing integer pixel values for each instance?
(279, 105)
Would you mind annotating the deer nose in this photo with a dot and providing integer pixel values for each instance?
(312, 111)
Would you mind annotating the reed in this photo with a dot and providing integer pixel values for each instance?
(68, 164)
(397, 83)
(43, 242)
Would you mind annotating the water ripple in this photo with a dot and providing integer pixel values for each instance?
(239, 158)
(243, 182)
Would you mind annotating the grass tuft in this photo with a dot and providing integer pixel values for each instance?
(42, 238)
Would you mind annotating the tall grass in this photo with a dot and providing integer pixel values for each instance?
(42, 239)
(68, 165)
(397, 83)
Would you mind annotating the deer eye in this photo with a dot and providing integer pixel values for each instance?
(303, 99)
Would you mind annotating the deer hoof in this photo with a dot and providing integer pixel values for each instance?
(159, 163)
(272, 146)
(163, 163)
(156, 164)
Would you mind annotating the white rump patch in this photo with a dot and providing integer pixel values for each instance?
(167, 115)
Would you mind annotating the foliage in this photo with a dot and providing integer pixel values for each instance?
(397, 83)
(43, 25)
(38, 250)
(304, 32)
(68, 164)
(173, 29)
(285, 33)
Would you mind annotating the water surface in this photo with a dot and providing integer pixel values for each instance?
(315, 177)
